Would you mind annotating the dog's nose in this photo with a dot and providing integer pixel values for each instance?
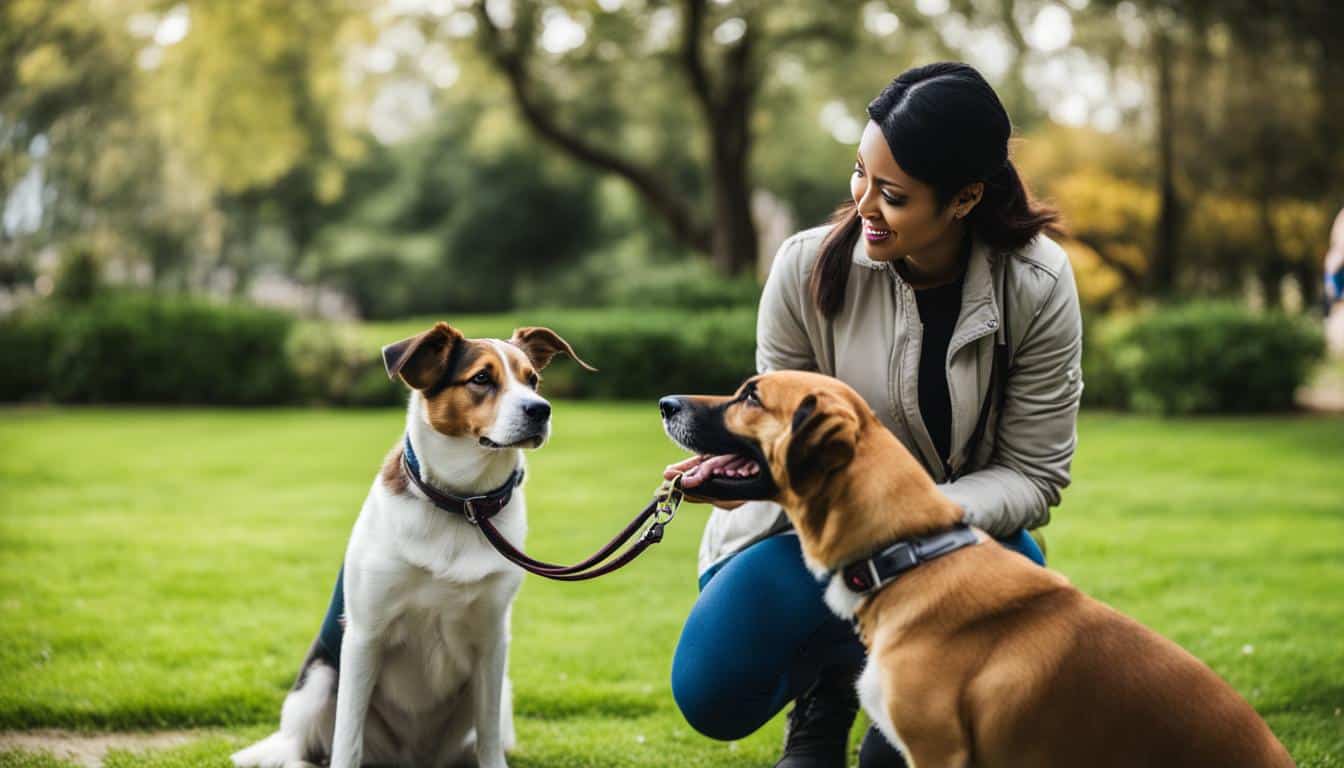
(669, 406)
(538, 411)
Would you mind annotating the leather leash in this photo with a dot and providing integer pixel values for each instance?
(479, 509)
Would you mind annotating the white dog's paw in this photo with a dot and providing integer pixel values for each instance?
(275, 751)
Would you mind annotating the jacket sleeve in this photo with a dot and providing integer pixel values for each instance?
(782, 342)
(1037, 431)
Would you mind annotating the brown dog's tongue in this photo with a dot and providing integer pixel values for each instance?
(722, 465)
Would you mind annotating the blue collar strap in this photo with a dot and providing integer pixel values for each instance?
(486, 505)
(876, 571)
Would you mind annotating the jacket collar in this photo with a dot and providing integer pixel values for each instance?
(979, 305)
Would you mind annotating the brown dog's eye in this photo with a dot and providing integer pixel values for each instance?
(482, 378)
(752, 398)
(533, 381)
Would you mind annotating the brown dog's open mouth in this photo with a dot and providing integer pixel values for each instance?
(714, 479)
(701, 430)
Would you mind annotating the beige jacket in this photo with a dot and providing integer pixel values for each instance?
(873, 344)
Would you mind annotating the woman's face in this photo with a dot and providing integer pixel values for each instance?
(901, 215)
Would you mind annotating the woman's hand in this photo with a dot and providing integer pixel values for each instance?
(698, 469)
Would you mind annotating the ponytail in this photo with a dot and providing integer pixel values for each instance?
(830, 274)
(1006, 218)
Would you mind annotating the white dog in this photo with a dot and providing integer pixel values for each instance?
(409, 668)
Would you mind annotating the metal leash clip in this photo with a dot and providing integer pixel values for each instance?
(668, 498)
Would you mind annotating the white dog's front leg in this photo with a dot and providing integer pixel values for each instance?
(487, 691)
(359, 671)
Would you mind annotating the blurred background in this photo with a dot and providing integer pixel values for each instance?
(278, 178)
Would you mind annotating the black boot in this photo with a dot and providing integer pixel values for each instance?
(818, 729)
(877, 752)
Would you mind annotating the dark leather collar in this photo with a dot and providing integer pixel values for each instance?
(876, 571)
(482, 507)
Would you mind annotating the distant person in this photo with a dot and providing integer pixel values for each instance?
(936, 272)
(1334, 288)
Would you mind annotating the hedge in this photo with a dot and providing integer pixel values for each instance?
(1214, 357)
(1196, 358)
(141, 349)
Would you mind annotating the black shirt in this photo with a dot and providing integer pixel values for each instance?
(938, 311)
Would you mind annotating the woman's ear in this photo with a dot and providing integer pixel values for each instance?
(965, 201)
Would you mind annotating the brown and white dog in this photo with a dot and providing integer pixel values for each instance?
(421, 673)
(978, 657)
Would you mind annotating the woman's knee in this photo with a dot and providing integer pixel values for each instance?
(710, 707)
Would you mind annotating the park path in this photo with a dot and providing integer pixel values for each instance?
(88, 749)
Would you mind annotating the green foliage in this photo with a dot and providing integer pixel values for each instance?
(430, 226)
(133, 349)
(645, 356)
(136, 349)
(691, 286)
(333, 367)
(77, 277)
(26, 341)
(1104, 385)
(1215, 358)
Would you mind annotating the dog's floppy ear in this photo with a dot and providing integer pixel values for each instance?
(422, 360)
(542, 344)
(822, 438)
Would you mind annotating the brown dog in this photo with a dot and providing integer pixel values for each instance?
(977, 657)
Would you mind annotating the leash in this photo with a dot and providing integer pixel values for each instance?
(478, 510)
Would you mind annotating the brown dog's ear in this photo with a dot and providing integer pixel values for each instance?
(422, 359)
(542, 344)
(822, 440)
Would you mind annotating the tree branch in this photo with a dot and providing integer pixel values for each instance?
(692, 59)
(1133, 278)
(512, 62)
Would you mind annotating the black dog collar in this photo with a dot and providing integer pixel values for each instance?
(876, 571)
(486, 505)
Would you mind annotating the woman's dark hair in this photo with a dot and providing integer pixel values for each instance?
(947, 128)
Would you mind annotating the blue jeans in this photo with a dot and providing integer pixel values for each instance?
(760, 634)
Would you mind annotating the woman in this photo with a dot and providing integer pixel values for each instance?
(934, 294)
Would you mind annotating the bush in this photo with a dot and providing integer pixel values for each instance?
(334, 368)
(139, 349)
(691, 286)
(1104, 385)
(25, 346)
(1215, 358)
(643, 356)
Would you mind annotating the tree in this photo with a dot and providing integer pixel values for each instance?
(720, 54)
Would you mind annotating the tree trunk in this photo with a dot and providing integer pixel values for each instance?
(733, 245)
(1162, 272)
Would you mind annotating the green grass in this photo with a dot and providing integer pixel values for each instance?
(168, 569)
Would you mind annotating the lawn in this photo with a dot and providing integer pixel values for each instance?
(168, 569)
